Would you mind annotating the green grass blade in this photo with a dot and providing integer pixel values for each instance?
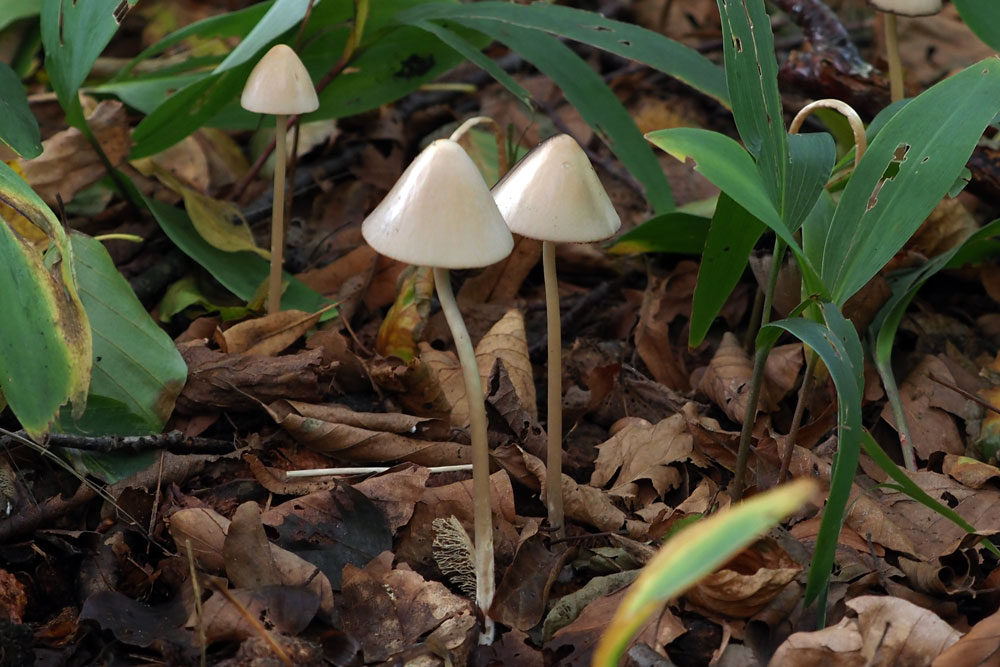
(693, 552)
(623, 39)
(838, 346)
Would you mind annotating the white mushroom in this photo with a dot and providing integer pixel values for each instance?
(440, 214)
(554, 195)
(279, 84)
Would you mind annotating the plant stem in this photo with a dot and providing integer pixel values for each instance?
(485, 585)
(553, 463)
(892, 55)
(757, 379)
(277, 216)
(804, 395)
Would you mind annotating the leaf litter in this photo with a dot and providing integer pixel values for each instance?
(229, 556)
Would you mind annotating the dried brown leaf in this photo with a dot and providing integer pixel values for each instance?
(268, 335)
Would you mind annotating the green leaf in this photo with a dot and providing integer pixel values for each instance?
(623, 39)
(929, 140)
(752, 78)
(671, 232)
(838, 346)
(731, 238)
(694, 552)
(74, 34)
(587, 92)
(45, 342)
(810, 163)
(135, 361)
(15, 10)
(19, 129)
(728, 166)
(983, 17)
(282, 15)
(242, 273)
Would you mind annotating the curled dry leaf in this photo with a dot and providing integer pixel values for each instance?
(404, 324)
(388, 610)
(247, 551)
(69, 163)
(233, 381)
(268, 335)
(881, 631)
(929, 408)
(506, 340)
(415, 383)
(207, 529)
(523, 593)
(727, 377)
(969, 472)
(318, 428)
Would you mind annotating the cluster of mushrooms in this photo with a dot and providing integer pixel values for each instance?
(441, 214)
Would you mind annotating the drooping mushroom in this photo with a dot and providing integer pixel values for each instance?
(440, 214)
(279, 85)
(554, 195)
(891, 9)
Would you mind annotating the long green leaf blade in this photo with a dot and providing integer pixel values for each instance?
(623, 39)
(929, 140)
(840, 349)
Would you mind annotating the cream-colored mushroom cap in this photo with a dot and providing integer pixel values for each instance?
(440, 213)
(553, 194)
(279, 84)
(907, 7)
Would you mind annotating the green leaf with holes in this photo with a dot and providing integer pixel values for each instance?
(912, 163)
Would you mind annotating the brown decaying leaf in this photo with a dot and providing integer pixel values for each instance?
(186, 160)
(726, 379)
(238, 381)
(281, 609)
(642, 452)
(310, 425)
(388, 610)
(415, 540)
(13, 599)
(268, 335)
(69, 163)
(523, 592)
(980, 647)
(247, 551)
(929, 408)
(506, 340)
(207, 529)
(501, 396)
(404, 324)
(396, 492)
(969, 472)
(501, 282)
(882, 631)
(415, 383)
(735, 594)
(662, 302)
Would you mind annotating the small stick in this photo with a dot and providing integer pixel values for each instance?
(317, 472)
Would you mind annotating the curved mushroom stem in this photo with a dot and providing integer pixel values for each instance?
(553, 463)
(485, 585)
(277, 216)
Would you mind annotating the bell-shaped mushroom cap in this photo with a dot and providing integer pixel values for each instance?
(553, 194)
(439, 213)
(279, 84)
(907, 7)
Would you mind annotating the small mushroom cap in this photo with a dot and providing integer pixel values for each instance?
(553, 194)
(907, 7)
(279, 84)
(440, 213)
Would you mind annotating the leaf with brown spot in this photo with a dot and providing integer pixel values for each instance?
(404, 324)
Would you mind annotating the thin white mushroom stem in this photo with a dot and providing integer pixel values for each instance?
(845, 110)
(896, 92)
(485, 586)
(367, 470)
(553, 463)
(277, 215)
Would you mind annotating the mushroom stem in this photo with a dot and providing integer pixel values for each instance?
(553, 464)
(277, 215)
(480, 451)
(896, 92)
